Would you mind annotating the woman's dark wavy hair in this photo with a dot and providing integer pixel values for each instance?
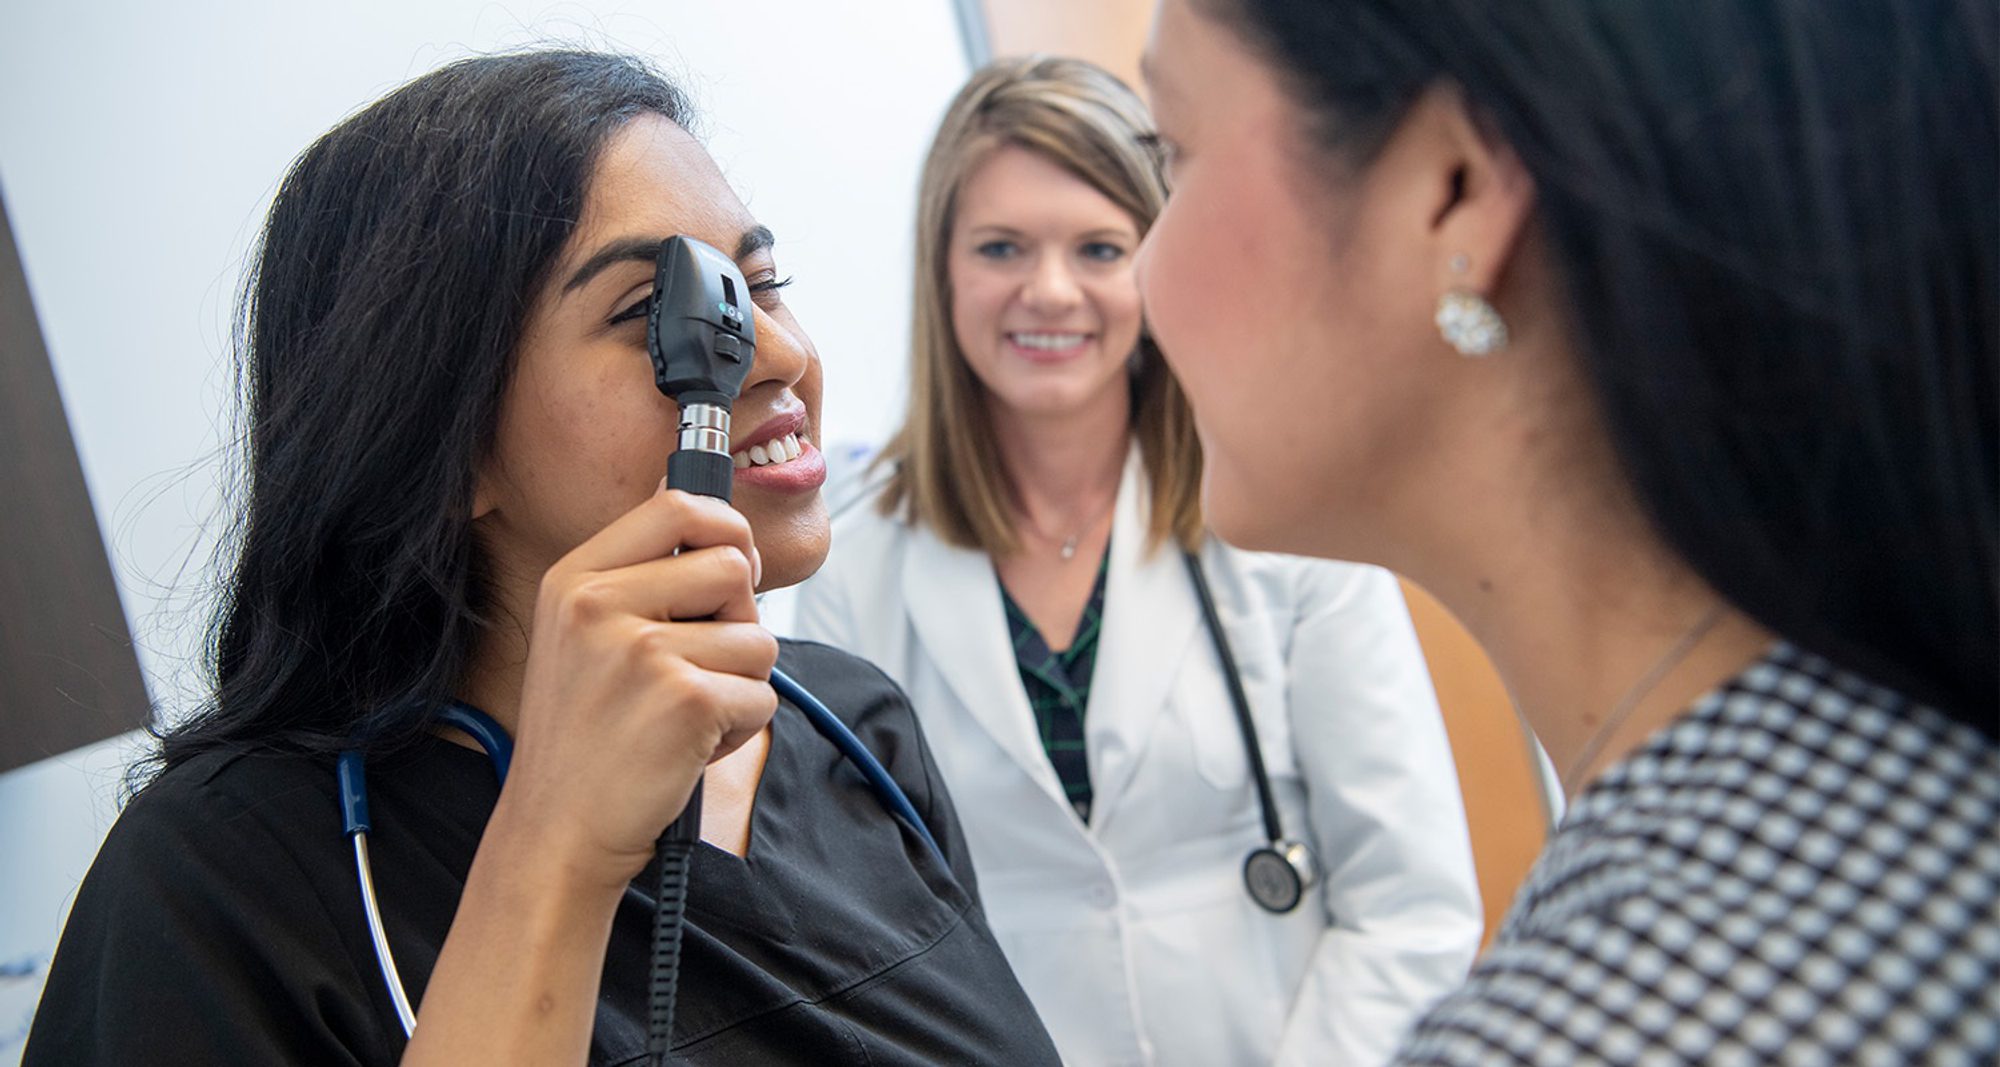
(1777, 223)
(377, 337)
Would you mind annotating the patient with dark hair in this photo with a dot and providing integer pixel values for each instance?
(453, 499)
(1660, 339)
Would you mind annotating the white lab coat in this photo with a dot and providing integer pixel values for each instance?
(1134, 935)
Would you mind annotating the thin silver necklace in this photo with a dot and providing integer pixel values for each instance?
(1629, 703)
(1067, 548)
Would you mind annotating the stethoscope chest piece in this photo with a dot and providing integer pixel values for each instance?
(1278, 875)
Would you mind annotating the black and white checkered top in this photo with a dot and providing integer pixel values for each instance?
(1803, 869)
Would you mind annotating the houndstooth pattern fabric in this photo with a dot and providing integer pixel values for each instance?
(1802, 870)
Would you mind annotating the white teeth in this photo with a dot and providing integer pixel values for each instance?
(1050, 341)
(782, 450)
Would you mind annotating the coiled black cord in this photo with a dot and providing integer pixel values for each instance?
(671, 882)
(707, 474)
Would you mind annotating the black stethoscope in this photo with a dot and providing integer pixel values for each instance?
(500, 749)
(1279, 872)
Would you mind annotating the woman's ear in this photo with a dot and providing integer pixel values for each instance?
(1482, 194)
(484, 498)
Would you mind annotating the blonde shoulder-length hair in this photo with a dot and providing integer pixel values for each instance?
(944, 468)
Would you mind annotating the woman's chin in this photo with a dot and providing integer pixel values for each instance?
(1246, 520)
(1237, 529)
(792, 546)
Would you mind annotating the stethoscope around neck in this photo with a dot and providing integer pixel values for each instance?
(1279, 872)
(352, 774)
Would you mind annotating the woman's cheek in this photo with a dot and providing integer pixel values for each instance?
(1174, 310)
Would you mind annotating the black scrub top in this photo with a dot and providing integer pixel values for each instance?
(221, 921)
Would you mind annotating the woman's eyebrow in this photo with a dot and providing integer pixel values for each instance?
(754, 240)
(646, 249)
(994, 229)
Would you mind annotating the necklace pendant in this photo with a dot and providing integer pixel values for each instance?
(1069, 547)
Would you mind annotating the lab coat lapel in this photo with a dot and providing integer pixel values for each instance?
(1150, 618)
(955, 608)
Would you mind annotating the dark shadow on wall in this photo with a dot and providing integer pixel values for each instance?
(68, 675)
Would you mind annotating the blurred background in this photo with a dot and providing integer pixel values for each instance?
(139, 146)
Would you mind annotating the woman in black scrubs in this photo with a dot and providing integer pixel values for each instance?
(454, 452)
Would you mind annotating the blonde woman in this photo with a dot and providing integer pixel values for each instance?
(1185, 864)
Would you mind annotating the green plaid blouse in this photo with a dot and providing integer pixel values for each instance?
(1058, 685)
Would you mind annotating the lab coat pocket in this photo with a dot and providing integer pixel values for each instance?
(1216, 739)
(1202, 701)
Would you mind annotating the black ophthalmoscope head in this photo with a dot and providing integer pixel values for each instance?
(701, 334)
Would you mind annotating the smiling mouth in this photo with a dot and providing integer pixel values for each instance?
(1048, 342)
(771, 453)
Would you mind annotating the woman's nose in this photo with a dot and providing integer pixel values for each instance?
(1052, 286)
(782, 356)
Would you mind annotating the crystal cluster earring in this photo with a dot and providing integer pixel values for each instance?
(1468, 322)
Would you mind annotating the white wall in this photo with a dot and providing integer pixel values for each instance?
(139, 146)
(52, 816)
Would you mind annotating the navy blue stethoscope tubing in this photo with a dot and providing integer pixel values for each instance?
(351, 772)
(500, 749)
(829, 725)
